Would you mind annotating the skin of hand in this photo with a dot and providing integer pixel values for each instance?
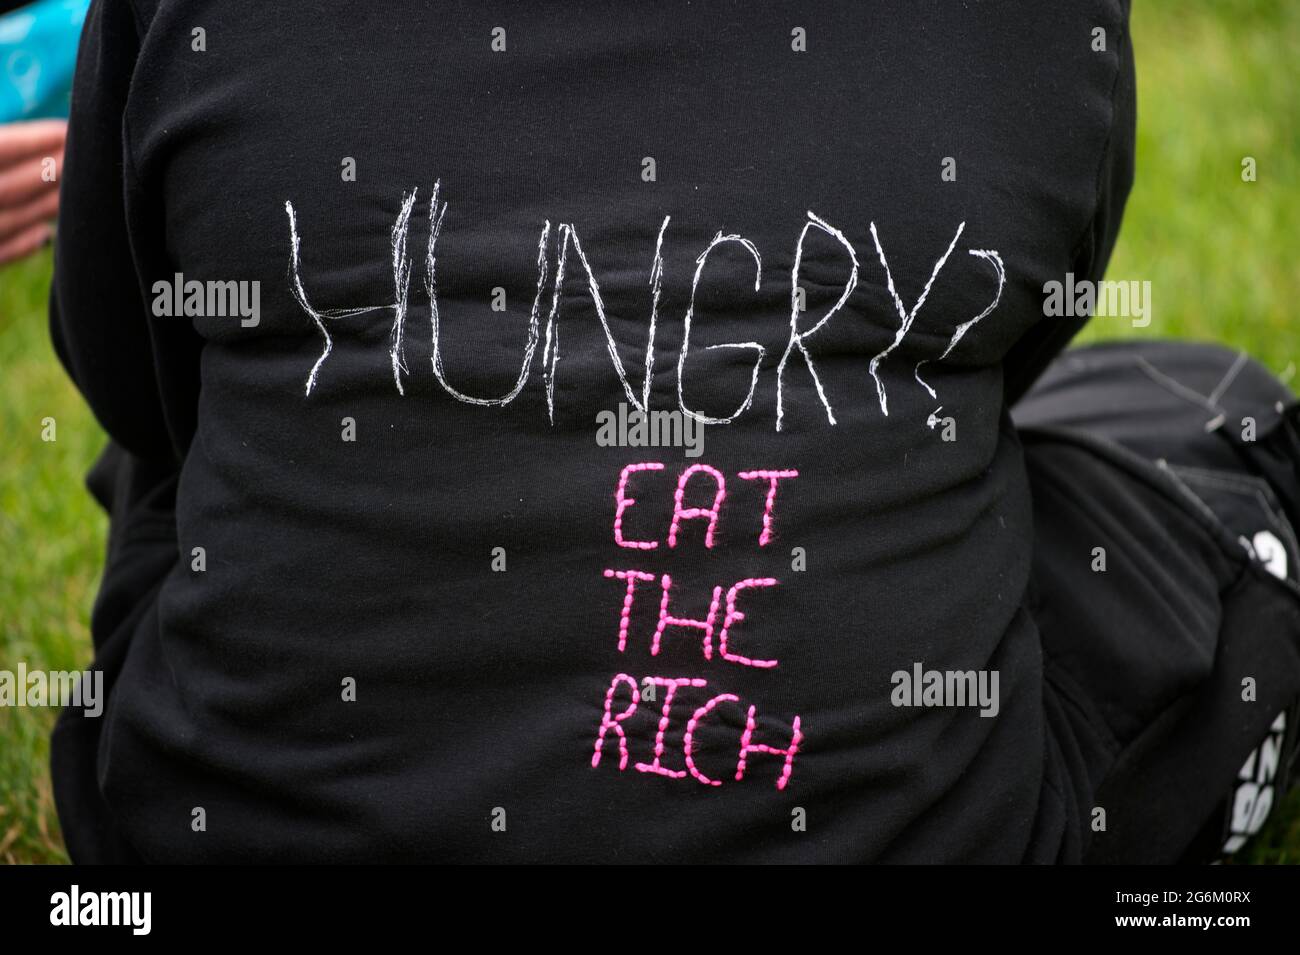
(29, 186)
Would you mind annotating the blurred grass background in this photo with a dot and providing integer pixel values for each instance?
(1217, 82)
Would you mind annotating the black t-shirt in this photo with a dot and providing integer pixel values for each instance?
(422, 608)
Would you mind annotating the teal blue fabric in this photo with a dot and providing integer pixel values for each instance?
(38, 50)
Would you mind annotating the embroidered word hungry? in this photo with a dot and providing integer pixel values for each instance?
(566, 244)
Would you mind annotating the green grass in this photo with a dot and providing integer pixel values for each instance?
(1217, 82)
(51, 547)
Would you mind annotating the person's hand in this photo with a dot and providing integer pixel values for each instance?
(29, 194)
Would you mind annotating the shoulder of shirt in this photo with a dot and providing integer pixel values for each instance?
(143, 12)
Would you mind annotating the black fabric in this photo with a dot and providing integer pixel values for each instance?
(140, 499)
(1175, 459)
(371, 560)
(1030, 356)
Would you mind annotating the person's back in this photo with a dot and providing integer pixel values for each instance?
(431, 598)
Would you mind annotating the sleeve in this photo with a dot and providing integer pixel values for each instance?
(1030, 356)
(98, 315)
